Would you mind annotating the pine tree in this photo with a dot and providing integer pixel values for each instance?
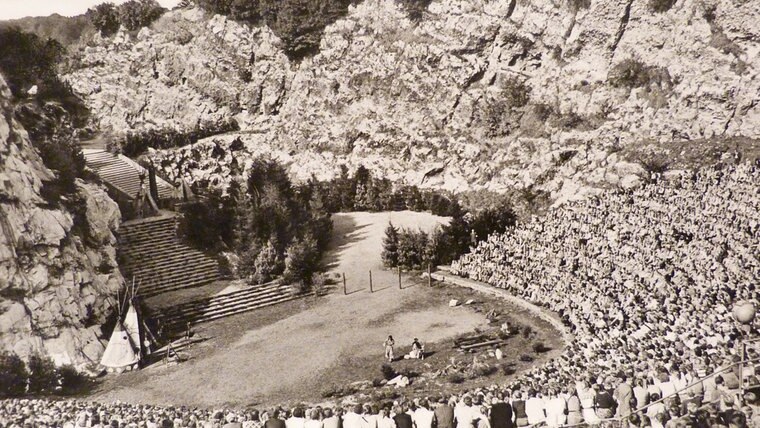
(268, 263)
(390, 246)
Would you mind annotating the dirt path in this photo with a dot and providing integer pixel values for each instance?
(282, 360)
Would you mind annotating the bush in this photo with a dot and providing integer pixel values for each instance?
(13, 375)
(660, 6)
(515, 92)
(136, 14)
(105, 18)
(43, 377)
(632, 73)
(301, 261)
(70, 379)
(540, 348)
(526, 358)
(415, 8)
(576, 5)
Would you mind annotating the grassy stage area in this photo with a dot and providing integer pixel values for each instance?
(310, 349)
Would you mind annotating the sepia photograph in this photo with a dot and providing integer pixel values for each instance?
(379, 213)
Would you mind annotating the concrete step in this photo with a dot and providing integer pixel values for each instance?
(155, 279)
(227, 312)
(168, 287)
(223, 300)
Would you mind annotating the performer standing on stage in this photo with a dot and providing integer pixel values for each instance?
(388, 344)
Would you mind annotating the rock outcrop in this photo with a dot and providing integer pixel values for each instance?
(551, 96)
(56, 286)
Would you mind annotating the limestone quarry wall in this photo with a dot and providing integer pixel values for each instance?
(405, 98)
(55, 287)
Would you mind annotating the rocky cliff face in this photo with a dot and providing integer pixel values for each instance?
(553, 96)
(55, 286)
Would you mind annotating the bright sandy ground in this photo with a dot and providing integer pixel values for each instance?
(283, 359)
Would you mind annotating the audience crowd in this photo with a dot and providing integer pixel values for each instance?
(645, 279)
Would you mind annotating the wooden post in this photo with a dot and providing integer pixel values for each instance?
(344, 284)
(370, 282)
(430, 276)
(398, 268)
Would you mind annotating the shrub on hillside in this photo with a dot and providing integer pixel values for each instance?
(526, 358)
(576, 5)
(53, 135)
(248, 11)
(515, 92)
(43, 377)
(660, 6)
(300, 23)
(415, 8)
(135, 14)
(13, 375)
(633, 73)
(137, 142)
(105, 18)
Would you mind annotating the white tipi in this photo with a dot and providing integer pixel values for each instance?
(125, 348)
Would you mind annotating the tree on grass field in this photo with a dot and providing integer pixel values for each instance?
(390, 246)
(13, 375)
(301, 261)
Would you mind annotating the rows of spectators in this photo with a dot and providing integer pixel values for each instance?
(645, 279)
(488, 407)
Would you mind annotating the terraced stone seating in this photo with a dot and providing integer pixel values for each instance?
(152, 253)
(122, 173)
(176, 318)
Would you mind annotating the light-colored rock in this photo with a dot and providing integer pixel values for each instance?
(400, 97)
(49, 272)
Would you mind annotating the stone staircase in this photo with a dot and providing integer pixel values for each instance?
(176, 318)
(152, 253)
(123, 174)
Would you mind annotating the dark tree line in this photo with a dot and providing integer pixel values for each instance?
(132, 15)
(37, 376)
(137, 142)
(363, 192)
(416, 249)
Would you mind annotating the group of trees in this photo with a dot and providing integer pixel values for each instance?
(276, 228)
(279, 229)
(133, 15)
(298, 23)
(416, 249)
(363, 192)
(37, 376)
